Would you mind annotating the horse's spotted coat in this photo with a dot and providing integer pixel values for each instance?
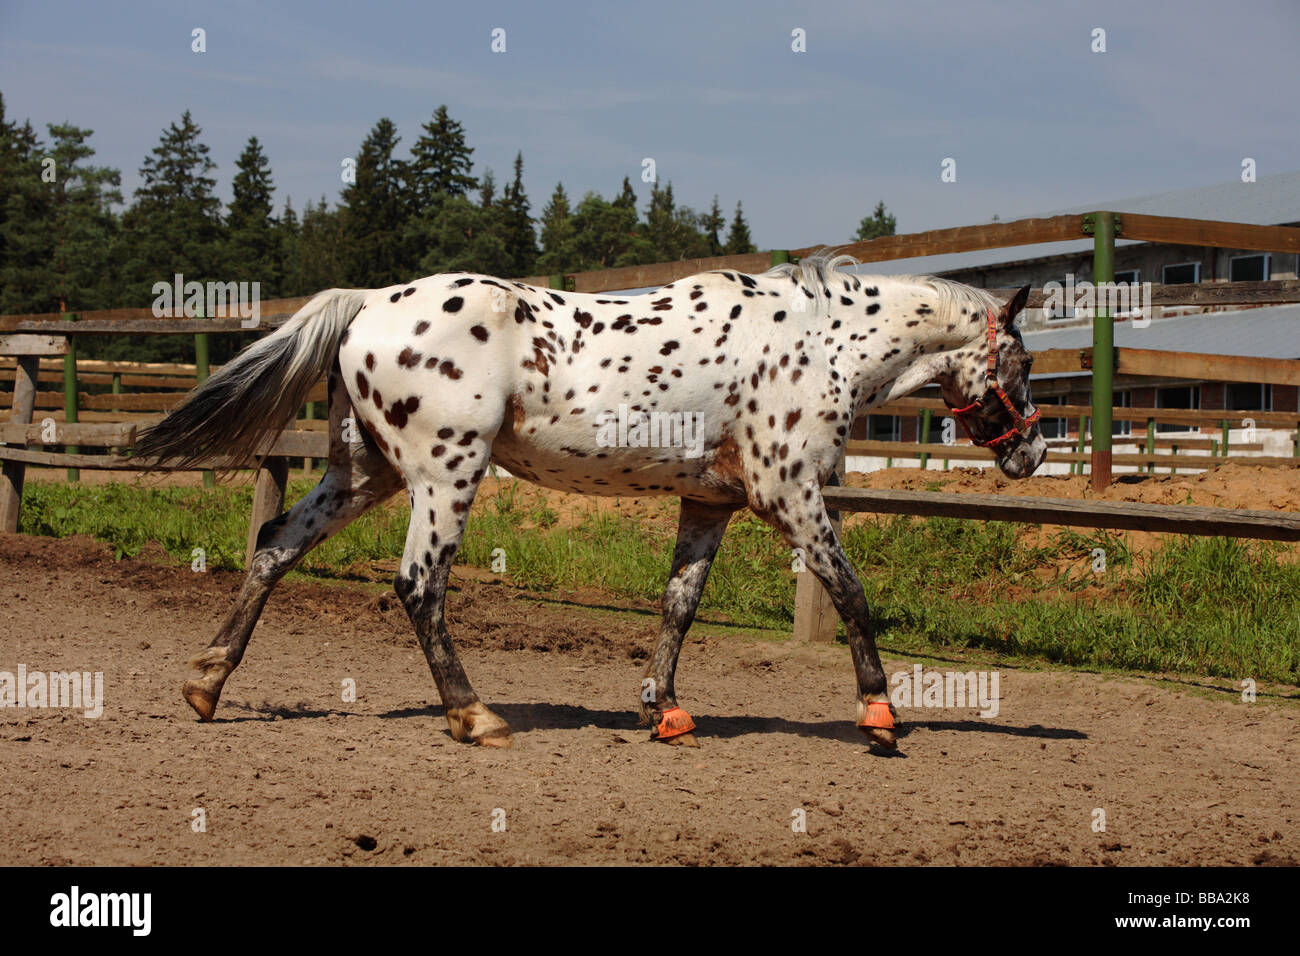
(451, 372)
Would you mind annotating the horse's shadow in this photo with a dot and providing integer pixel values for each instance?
(544, 716)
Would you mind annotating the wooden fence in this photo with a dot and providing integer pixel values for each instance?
(110, 419)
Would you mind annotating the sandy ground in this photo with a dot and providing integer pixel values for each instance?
(291, 774)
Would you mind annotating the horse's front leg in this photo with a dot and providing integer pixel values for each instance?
(799, 513)
(699, 531)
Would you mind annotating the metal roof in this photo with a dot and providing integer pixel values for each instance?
(1270, 201)
(1269, 332)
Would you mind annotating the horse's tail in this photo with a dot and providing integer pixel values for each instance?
(242, 408)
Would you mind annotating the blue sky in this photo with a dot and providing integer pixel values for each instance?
(711, 90)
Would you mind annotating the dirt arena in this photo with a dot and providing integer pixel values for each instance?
(290, 774)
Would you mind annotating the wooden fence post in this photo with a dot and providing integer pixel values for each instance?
(815, 617)
(28, 349)
(71, 402)
(201, 369)
(268, 500)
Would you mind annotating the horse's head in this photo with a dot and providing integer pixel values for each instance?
(987, 390)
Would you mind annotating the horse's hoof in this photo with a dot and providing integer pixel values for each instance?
(499, 738)
(882, 736)
(681, 740)
(476, 724)
(201, 699)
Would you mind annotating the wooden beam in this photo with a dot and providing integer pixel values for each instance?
(1214, 368)
(1087, 513)
(289, 444)
(269, 307)
(33, 345)
(994, 235)
(93, 434)
(1204, 232)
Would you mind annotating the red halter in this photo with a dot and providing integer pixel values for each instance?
(1020, 425)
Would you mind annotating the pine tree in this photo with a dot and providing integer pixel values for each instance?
(626, 198)
(711, 223)
(517, 225)
(252, 253)
(879, 223)
(83, 224)
(738, 240)
(288, 242)
(174, 226)
(557, 231)
(440, 163)
(487, 192)
(466, 238)
(671, 230)
(376, 212)
(323, 249)
(26, 279)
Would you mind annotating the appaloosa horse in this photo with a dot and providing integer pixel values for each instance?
(430, 380)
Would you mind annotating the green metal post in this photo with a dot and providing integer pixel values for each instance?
(1227, 428)
(70, 400)
(1151, 444)
(1103, 349)
(201, 373)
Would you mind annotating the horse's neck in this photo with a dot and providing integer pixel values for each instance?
(907, 371)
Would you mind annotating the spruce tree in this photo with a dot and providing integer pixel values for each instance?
(288, 240)
(252, 253)
(487, 192)
(174, 223)
(440, 163)
(712, 223)
(26, 237)
(376, 212)
(738, 240)
(323, 249)
(557, 231)
(626, 198)
(517, 225)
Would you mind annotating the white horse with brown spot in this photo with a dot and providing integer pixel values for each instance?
(432, 380)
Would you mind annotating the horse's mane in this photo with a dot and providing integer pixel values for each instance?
(817, 271)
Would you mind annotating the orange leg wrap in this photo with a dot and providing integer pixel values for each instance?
(877, 714)
(674, 723)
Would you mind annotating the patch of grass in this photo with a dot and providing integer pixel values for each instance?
(1210, 606)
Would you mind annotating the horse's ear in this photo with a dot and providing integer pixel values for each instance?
(1014, 306)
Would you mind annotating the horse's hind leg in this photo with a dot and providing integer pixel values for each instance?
(699, 531)
(441, 495)
(358, 478)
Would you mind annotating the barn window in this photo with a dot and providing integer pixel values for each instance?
(1181, 273)
(1252, 268)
